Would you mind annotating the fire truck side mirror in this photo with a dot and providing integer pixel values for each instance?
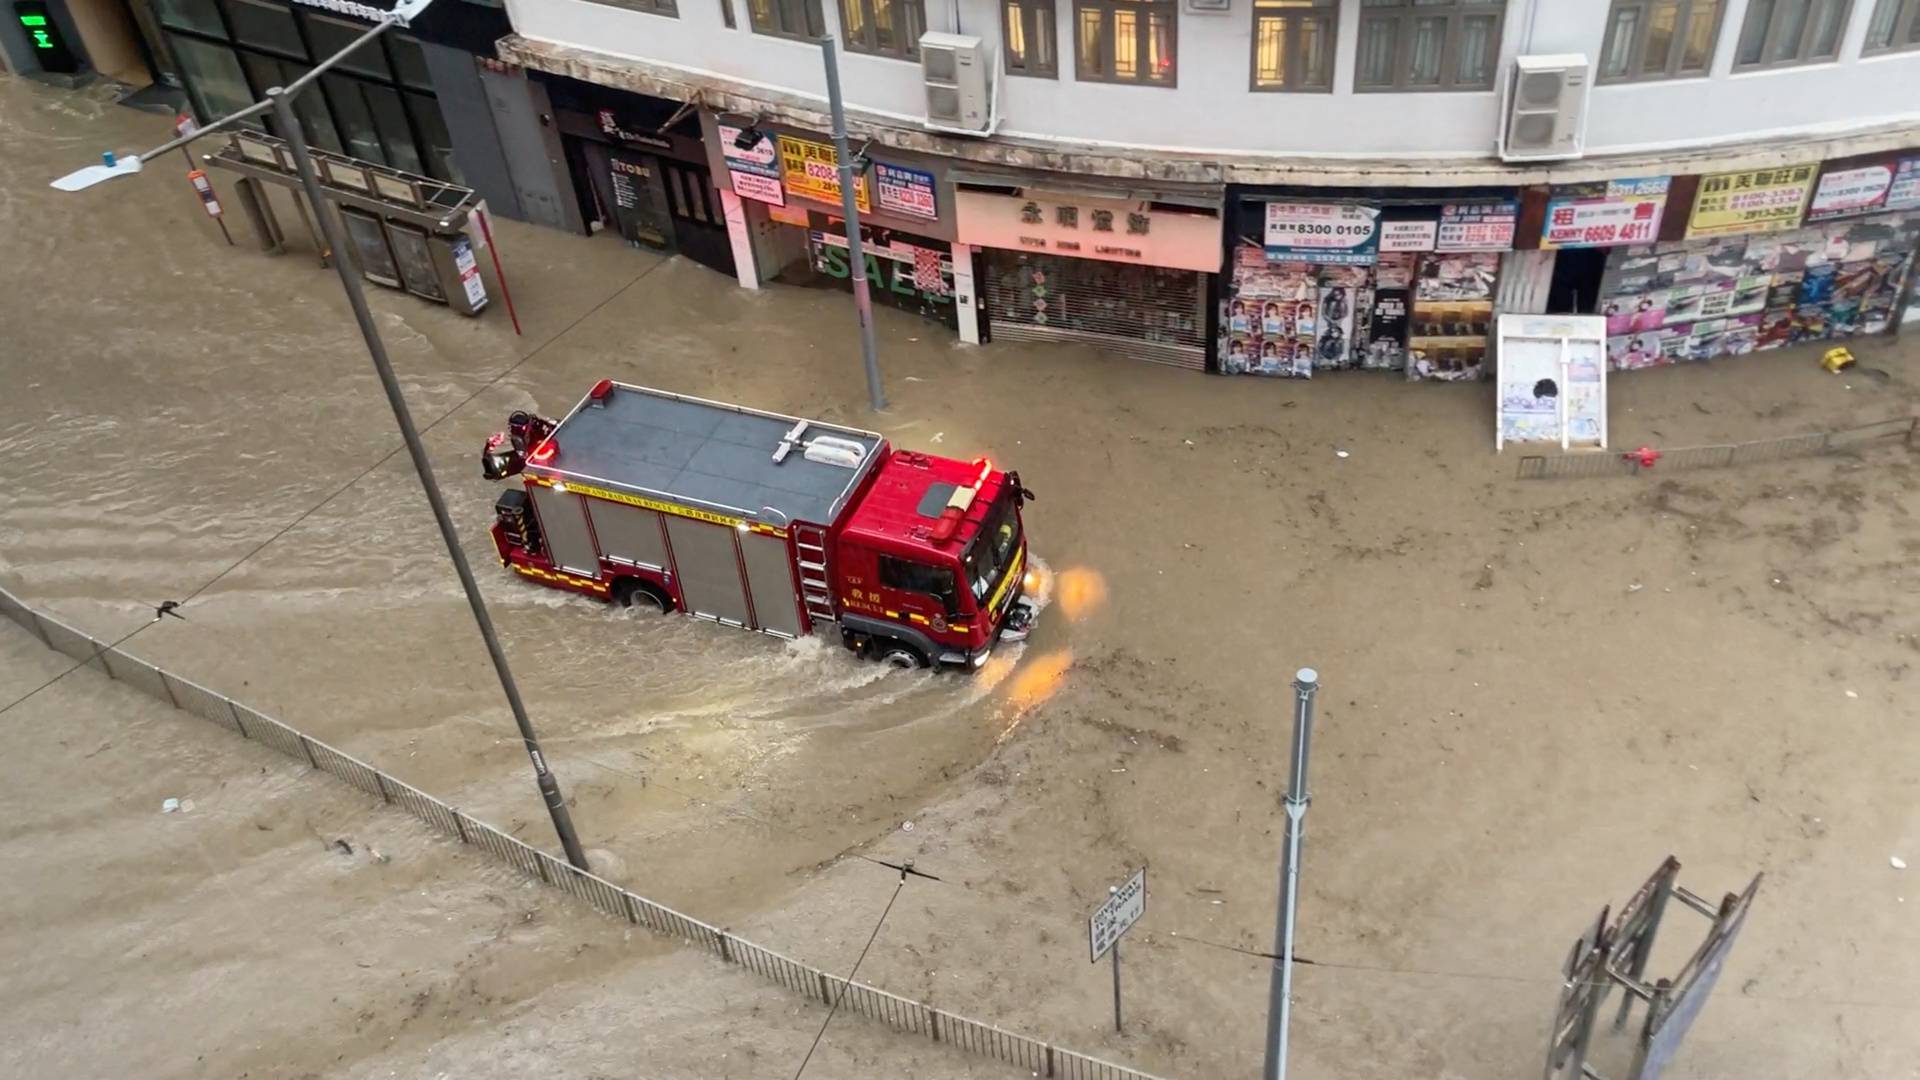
(499, 459)
(1019, 489)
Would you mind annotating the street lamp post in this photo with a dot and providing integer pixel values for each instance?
(850, 209)
(1306, 684)
(280, 101)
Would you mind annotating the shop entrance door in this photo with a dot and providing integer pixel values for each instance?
(1576, 281)
(631, 199)
(699, 226)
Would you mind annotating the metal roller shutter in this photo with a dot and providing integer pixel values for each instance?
(1145, 312)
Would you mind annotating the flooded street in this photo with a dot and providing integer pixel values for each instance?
(1534, 691)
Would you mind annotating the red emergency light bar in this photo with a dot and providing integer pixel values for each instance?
(956, 509)
(544, 452)
(601, 390)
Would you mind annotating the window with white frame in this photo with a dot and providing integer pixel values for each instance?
(1659, 39)
(1293, 44)
(1125, 41)
(1428, 44)
(1781, 33)
(1895, 26)
(883, 27)
(787, 18)
(1027, 28)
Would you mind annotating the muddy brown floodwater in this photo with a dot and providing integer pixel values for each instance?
(1533, 691)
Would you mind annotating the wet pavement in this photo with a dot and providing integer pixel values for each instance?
(1535, 691)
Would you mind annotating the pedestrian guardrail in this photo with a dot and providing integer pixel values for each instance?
(902, 1014)
(1655, 460)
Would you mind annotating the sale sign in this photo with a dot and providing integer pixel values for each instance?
(1606, 213)
(1325, 233)
(1481, 226)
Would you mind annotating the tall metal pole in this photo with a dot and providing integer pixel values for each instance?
(1306, 682)
(310, 180)
(850, 209)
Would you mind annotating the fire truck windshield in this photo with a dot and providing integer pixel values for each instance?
(992, 548)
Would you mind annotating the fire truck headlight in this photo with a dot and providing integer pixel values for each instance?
(981, 660)
(1031, 581)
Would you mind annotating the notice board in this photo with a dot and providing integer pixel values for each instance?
(1552, 383)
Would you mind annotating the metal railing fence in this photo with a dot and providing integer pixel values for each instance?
(901, 1014)
(1616, 463)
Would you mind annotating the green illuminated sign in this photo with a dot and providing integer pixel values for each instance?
(47, 40)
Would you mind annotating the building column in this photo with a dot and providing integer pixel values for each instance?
(966, 302)
(740, 234)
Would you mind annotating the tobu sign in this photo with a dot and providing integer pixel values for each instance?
(1327, 233)
(1114, 230)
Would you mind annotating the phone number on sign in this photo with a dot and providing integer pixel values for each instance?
(1602, 234)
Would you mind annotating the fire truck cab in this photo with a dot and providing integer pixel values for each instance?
(766, 522)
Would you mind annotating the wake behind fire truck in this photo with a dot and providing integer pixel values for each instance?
(766, 522)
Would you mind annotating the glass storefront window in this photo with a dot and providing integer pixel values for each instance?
(409, 61)
(198, 15)
(219, 86)
(315, 119)
(267, 26)
(331, 35)
(390, 116)
(351, 116)
(435, 143)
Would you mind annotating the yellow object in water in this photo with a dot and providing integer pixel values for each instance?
(1837, 359)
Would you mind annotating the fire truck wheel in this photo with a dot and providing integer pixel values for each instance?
(631, 593)
(895, 654)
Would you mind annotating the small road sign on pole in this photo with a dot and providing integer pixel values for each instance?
(1125, 904)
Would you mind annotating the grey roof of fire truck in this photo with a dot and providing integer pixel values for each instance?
(706, 453)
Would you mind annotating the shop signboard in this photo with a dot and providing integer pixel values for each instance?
(1760, 200)
(811, 170)
(1113, 230)
(1893, 184)
(1328, 234)
(1409, 235)
(755, 171)
(905, 191)
(1605, 213)
(1478, 226)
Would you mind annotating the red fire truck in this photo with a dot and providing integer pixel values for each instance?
(766, 522)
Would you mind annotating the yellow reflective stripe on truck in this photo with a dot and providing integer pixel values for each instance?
(1013, 574)
(662, 507)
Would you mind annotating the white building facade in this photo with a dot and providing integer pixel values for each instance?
(1272, 186)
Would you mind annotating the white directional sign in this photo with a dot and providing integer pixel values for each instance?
(1123, 908)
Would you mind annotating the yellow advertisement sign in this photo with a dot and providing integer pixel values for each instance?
(1763, 200)
(811, 170)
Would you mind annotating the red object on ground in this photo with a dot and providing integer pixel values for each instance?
(1644, 457)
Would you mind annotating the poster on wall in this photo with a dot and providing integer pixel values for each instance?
(1605, 213)
(905, 191)
(1409, 235)
(811, 170)
(1452, 316)
(1322, 233)
(1552, 385)
(1762, 200)
(1478, 226)
(755, 170)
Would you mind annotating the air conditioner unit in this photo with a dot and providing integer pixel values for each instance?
(955, 69)
(1546, 108)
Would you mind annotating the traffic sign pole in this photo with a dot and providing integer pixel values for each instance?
(1116, 988)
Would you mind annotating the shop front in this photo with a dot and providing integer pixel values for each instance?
(782, 200)
(639, 170)
(1129, 275)
(1340, 280)
(1769, 257)
(379, 104)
